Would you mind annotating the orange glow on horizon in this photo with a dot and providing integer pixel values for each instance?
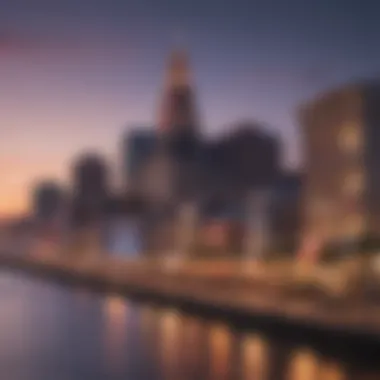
(18, 178)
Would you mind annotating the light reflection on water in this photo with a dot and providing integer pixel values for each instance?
(220, 352)
(331, 371)
(304, 366)
(255, 360)
(195, 347)
(112, 338)
(170, 325)
(116, 314)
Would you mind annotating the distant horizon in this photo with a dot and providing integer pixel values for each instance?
(66, 183)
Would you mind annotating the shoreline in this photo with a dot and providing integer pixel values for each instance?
(246, 306)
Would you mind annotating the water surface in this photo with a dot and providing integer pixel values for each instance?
(52, 332)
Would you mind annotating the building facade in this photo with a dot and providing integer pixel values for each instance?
(138, 146)
(168, 176)
(341, 197)
(48, 201)
(177, 113)
(90, 188)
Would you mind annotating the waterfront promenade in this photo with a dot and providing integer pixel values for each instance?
(267, 293)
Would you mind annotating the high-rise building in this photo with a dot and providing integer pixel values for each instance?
(246, 159)
(341, 197)
(138, 146)
(48, 198)
(178, 114)
(90, 187)
(169, 174)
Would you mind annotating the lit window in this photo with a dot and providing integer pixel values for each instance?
(349, 137)
(319, 207)
(354, 225)
(353, 183)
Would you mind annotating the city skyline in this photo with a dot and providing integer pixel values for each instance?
(76, 76)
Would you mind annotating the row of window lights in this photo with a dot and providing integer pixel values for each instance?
(322, 211)
(352, 186)
(353, 183)
(350, 227)
(350, 141)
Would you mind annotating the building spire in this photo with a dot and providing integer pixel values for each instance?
(177, 112)
(178, 74)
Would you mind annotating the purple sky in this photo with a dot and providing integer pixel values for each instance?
(75, 74)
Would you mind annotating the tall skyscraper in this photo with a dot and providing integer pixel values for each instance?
(342, 178)
(177, 113)
(169, 173)
(90, 187)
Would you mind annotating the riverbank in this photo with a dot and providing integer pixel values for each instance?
(252, 300)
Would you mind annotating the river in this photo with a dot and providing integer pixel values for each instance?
(53, 332)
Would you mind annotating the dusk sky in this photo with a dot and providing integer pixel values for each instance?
(76, 74)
